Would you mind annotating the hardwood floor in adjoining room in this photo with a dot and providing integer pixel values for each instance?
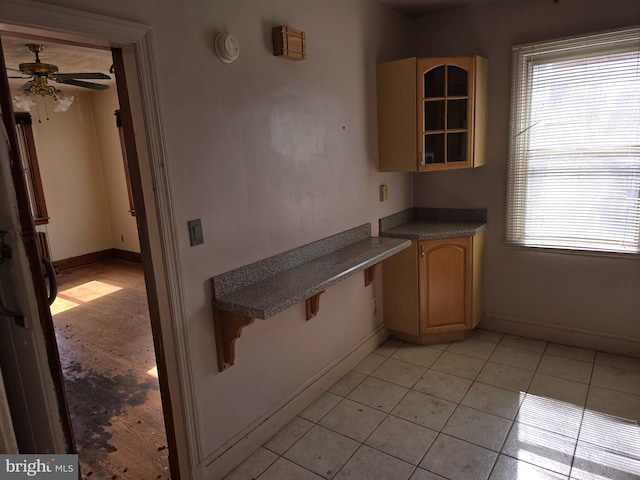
(104, 337)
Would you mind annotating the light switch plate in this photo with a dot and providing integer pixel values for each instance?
(195, 232)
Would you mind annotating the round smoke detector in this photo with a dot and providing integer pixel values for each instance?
(227, 47)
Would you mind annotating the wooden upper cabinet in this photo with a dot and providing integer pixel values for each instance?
(431, 114)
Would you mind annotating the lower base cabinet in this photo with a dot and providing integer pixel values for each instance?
(432, 290)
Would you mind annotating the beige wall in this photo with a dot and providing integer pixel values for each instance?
(124, 233)
(590, 300)
(83, 177)
(72, 180)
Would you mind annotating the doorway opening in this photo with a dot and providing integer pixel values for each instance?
(101, 316)
(102, 327)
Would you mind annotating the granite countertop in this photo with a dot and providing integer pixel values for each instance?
(433, 223)
(432, 230)
(269, 296)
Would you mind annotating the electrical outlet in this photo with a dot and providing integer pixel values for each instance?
(122, 238)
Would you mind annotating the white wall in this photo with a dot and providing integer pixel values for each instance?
(124, 233)
(272, 154)
(587, 300)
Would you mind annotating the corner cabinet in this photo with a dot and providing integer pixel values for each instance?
(431, 114)
(432, 290)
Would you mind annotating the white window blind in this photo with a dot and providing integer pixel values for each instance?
(574, 170)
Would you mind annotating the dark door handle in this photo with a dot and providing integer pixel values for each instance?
(6, 253)
(4, 311)
(53, 282)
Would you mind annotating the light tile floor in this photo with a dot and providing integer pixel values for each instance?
(491, 407)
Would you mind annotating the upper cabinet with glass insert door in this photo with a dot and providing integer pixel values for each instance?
(431, 114)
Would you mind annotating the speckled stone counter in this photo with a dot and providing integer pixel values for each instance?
(433, 223)
(267, 287)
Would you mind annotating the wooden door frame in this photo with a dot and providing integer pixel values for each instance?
(152, 194)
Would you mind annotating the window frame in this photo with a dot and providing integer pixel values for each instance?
(132, 208)
(31, 168)
(525, 59)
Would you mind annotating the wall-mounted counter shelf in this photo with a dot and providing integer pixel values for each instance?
(267, 287)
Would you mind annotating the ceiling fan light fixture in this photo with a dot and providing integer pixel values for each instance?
(38, 68)
(26, 99)
(39, 86)
(42, 75)
(63, 102)
(24, 102)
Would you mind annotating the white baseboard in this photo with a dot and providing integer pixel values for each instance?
(270, 423)
(566, 335)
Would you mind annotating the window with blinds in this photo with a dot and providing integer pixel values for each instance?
(574, 170)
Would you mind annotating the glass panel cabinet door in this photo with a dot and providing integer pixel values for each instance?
(457, 114)
(434, 115)
(457, 81)
(434, 148)
(457, 147)
(446, 111)
(434, 82)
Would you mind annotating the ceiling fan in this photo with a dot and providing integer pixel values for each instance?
(41, 73)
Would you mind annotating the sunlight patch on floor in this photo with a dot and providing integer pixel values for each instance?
(62, 305)
(597, 463)
(89, 291)
(543, 448)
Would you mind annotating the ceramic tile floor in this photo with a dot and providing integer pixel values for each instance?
(493, 407)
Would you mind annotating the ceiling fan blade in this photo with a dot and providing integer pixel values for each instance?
(24, 78)
(14, 70)
(80, 83)
(87, 76)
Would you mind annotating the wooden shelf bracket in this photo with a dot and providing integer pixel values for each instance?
(313, 305)
(369, 275)
(228, 327)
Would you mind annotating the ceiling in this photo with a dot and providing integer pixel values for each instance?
(419, 8)
(68, 58)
